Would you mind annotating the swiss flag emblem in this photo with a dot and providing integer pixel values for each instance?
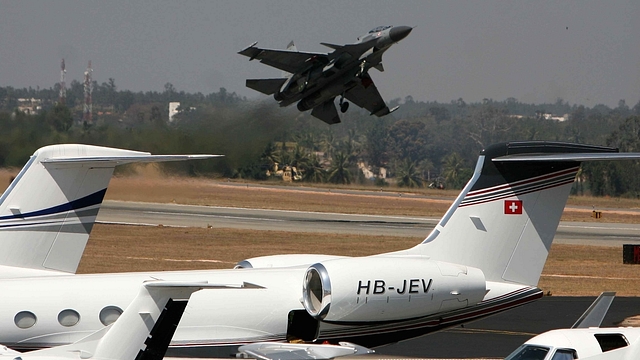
(513, 207)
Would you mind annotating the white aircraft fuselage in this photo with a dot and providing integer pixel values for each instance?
(216, 323)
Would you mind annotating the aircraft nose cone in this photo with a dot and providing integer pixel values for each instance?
(399, 32)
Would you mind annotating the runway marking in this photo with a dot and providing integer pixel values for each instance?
(587, 277)
(210, 216)
(598, 227)
(277, 210)
(179, 260)
(138, 224)
(489, 331)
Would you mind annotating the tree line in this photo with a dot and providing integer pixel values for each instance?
(422, 144)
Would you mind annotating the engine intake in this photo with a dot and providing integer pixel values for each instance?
(388, 288)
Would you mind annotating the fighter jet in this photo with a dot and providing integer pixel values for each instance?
(314, 80)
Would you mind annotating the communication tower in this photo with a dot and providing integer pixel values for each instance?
(63, 85)
(88, 88)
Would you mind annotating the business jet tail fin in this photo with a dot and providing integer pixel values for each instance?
(504, 220)
(48, 211)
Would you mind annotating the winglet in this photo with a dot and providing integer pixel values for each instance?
(596, 312)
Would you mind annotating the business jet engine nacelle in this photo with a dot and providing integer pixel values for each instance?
(388, 288)
(285, 260)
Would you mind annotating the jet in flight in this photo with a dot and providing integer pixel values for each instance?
(314, 80)
(484, 256)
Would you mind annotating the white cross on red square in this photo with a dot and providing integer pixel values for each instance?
(513, 207)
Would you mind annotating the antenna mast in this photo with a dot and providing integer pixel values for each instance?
(63, 85)
(88, 88)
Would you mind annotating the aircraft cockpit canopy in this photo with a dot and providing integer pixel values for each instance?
(379, 28)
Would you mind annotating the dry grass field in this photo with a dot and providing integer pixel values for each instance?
(570, 269)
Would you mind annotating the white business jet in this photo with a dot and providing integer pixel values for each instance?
(485, 256)
(584, 340)
(143, 332)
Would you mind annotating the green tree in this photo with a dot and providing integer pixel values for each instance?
(59, 118)
(408, 175)
(339, 172)
(314, 172)
(454, 171)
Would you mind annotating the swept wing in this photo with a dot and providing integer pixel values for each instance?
(285, 60)
(365, 94)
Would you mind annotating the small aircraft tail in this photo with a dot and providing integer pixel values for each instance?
(505, 218)
(48, 211)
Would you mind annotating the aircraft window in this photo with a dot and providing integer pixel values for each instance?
(565, 354)
(610, 342)
(25, 319)
(68, 317)
(528, 352)
(110, 314)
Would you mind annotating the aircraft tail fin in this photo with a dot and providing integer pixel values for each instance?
(266, 86)
(326, 112)
(48, 211)
(596, 312)
(145, 328)
(504, 220)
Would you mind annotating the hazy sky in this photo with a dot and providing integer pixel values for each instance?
(586, 52)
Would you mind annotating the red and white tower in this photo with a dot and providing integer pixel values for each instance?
(63, 85)
(88, 88)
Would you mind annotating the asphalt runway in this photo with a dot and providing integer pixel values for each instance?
(497, 336)
(493, 337)
(589, 233)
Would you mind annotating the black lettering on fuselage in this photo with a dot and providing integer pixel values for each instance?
(360, 286)
(425, 286)
(378, 287)
(404, 288)
(413, 286)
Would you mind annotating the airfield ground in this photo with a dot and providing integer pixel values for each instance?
(570, 269)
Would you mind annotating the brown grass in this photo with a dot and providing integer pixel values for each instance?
(570, 269)
(198, 191)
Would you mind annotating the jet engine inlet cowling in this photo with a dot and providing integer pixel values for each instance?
(317, 291)
(388, 288)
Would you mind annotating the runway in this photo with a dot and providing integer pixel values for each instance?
(587, 233)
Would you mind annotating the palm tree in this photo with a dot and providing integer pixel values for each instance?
(314, 171)
(339, 172)
(453, 165)
(408, 175)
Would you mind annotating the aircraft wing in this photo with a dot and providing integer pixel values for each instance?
(285, 60)
(284, 351)
(365, 94)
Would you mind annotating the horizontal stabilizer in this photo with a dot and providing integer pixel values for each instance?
(571, 157)
(277, 350)
(596, 312)
(266, 86)
(120, 160)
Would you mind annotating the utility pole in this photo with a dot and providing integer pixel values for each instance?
(63, 85)
(88, 89)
